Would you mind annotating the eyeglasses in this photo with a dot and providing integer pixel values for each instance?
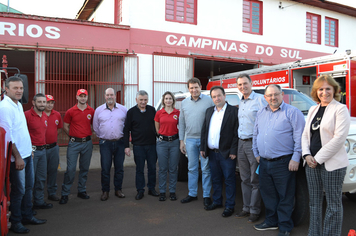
(271, 95)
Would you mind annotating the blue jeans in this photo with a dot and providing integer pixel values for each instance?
(141, 154)
(168, 158)
(21, 191)
(221, 169)
(277, 187)
(74, 149)
(40, 170)
(52, 155)
(193, 152)
(112, 151)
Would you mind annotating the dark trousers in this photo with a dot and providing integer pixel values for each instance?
(112, 151)
(277, 187)
(141, 154)
(221, 169)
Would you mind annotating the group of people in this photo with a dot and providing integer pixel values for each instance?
(266, 136)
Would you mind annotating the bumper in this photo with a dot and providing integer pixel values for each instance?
(350, 178)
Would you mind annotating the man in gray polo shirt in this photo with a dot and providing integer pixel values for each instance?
(250, 103)
(191, 121)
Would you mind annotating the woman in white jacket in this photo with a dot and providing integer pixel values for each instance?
(323, 139)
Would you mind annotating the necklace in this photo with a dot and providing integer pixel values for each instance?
(316, 124)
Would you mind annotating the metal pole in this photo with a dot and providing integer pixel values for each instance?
(8, 5)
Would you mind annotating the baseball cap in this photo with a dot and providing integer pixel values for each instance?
(49, 98)
(82, 91)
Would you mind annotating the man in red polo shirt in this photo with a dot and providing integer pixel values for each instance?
(54, 124)
(77, 125)
(37, 126)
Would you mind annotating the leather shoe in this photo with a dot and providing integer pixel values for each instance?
(43, 206)
(153, 193)
(188, 199)
(207, 201)
(64, 200)
(104, 196)
(173, 196)
(253, 218)
(83, 195)
(227, 212)
(242, 214)
(212, 206)
(119, 193)
(34, 221)
(19, 228)
(53, 198)
(162, 197)
(34, 212)
(139, 195)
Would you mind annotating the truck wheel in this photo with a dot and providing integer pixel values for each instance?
(301, 206)
(351, 196)
(183, 168)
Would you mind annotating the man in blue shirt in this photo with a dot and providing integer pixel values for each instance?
(250, 104)
(277, 147)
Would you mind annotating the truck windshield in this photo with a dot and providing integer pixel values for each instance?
(295, 98)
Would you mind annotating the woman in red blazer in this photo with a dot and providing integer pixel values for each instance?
(323, 139)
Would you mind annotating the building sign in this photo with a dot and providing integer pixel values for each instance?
(47, 32)
(166, 42)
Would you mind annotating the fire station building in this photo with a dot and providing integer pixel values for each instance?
(158, 45)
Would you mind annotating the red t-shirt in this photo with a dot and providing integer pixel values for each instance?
(168, 123)
(37, 126)
(54, 123)
(79, 121)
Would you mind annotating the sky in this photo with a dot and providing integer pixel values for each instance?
(69, 8)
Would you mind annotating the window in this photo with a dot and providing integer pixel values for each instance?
(331, 32)
(252, 17)
(313, 28)
(184, 11)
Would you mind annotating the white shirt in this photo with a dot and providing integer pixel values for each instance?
(215, 127)
(12, 118)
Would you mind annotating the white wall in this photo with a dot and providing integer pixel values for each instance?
(281, 27)
(145, 75)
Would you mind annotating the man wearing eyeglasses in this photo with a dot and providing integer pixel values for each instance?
(277, 147)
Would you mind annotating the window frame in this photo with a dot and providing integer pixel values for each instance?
(336, 36)
(260, 29)
(185, 5)
(318, 31)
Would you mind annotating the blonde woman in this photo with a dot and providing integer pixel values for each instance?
(323, 139)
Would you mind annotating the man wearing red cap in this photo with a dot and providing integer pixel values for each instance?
(37, 126)
(77, 125)
(54, 124)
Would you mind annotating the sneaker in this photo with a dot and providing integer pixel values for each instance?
(253, 218)
(264, 226)
(162, 197)
(242, 214)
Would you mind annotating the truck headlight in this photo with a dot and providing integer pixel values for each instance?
(354, 148)
(347, 146)
(352, 173)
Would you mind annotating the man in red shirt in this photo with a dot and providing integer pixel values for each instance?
(37, 126)
(54, 124)
(77, 125)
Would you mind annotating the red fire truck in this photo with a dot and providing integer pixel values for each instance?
(301, 75)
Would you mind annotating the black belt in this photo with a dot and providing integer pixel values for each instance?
(247, 139)
(278, 158)
(168, 138)
(215, 150)
(49, 146)
(80, 140)
(39, 148)
(112, 140)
